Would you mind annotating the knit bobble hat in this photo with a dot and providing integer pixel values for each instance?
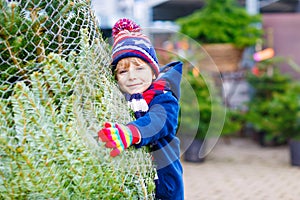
(130, 42)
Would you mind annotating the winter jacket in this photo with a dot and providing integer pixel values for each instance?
(158, 128)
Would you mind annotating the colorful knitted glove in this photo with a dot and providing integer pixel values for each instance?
(118, 137)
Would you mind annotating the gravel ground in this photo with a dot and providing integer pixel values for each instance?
(243, 170)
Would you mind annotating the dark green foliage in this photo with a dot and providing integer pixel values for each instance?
(222, 21)
(202, 109)
(190, 106)
(274, 108)
(30, 30)
(15, 32)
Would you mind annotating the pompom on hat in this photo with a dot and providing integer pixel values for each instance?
(130, 42)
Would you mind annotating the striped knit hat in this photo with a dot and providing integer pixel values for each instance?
(130, 42)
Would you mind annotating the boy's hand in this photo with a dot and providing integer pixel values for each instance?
(118, 137)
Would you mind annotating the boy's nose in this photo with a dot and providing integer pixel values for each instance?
(131, 73)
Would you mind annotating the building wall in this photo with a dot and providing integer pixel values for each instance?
(283, 34)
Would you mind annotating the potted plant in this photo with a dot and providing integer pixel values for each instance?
(271, 106)
(195, 101)
(197, 104)
(222, 27)
(288, 108)
(275, 108)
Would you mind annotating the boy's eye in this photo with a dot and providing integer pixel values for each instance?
(122, 71)
(140, 67)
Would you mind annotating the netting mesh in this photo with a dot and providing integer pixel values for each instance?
(56, 90)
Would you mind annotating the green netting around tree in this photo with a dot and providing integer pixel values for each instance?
(56, 90)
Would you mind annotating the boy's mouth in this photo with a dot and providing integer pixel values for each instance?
(134, 85)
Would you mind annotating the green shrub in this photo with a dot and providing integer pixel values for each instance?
(222, 21)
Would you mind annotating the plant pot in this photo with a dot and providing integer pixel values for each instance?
(226, 57)
(295, 152)
(195, 152)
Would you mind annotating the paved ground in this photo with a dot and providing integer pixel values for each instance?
(242, 170)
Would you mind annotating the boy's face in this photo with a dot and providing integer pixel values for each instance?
(134, 75)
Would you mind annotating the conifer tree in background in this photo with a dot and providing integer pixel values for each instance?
(56, 92)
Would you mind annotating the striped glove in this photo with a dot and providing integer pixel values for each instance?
(118, 137)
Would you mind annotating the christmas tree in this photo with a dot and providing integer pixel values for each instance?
(56, 91)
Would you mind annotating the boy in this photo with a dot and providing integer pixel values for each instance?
(153, 95)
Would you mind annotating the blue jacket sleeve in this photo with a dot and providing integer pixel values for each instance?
(160, 121)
